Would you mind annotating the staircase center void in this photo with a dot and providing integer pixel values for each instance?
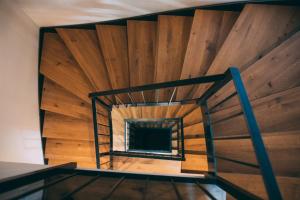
(150, 139)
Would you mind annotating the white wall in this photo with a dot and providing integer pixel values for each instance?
(58, 12)
(19, 115)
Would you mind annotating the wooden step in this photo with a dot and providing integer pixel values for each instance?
(185, 110)
(113, 42)
(70, 147)
(260, 81)
(173, 34)
(277, 112)
(283, 149)
(194, 129)
(193, 117)
(146, 165)
(197, 144)
(65, 127)
(172, 111)
(141, 54)
(254, 184)
(194, 164)
(83, 162)
(57, 99)
(84, 46)
(58, 65)
(258, 29)
(209, 30)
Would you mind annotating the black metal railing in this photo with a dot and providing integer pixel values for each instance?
(218, 81)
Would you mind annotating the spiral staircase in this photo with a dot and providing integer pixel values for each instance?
(262, 41)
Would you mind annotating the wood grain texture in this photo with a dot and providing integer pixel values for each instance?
(258, 30)
(279, 70)
(289, 187)
(185, 110)
(84, 46)
(113, 42)
(141, 54)
(68, 148)
(209, 30)
(193, 117)
(196, 129)
(282, 147)
(145, 165)
(64, 127)
(195, 163)
(57, 99)
(274, 113)
(82, 161)
(58, 65)
(173, 35)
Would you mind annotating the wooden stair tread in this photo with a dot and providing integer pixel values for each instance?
(260, 81)
(113, 42)
(65, 127)
(209, 30)
(193, 117)
(194, 163)
(57, 99)
(58, 65)
(258, 29)
(83, 44)
(70, 147)
(141, 53)
(283, 115)
(173, 34)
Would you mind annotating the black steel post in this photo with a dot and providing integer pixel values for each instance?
(96, 132)
(110, 139)
(212, 167)
(257, 141)
(178, 137)
(182, 139)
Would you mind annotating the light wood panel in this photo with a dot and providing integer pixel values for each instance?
(185, 110)
(260, 81)
(172, 111)
(56, 99)
(193, 117)
(196, 129)
(146, 165)
(82, 162)
(289, 187)
(83, 44)
(209, 30)
(64, 127)
(258, 30)
(113, 42)
(277, 112)
(194, 164)
(197, 144)
(141, 54)
(282, 147)
(70, 148)
(58, 65)
(173, 35)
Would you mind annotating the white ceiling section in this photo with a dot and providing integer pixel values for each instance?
(65, 12)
